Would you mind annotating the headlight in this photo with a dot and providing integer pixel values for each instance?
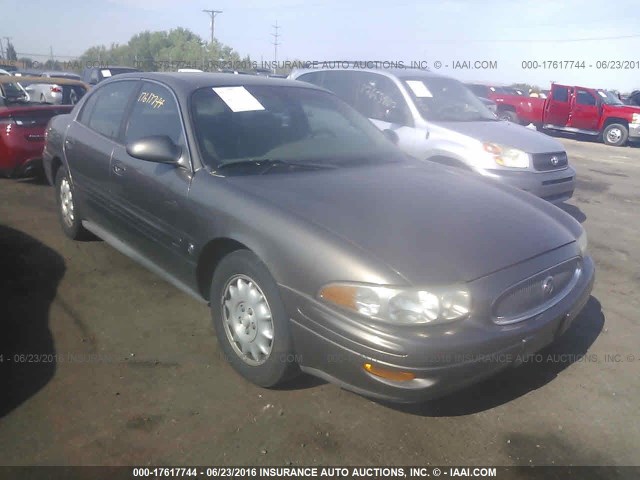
(398, 305)
(582, 243)
(635, 118)
(507, 156)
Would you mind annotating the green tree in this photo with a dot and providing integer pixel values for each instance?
(164, 51)
(11, 52)
(26, 62)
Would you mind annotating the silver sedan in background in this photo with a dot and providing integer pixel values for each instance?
(54, 93)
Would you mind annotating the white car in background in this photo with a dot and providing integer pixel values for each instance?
(53, 93)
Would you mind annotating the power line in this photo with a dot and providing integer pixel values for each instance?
(531, 40)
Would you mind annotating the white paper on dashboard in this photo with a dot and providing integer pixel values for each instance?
(106, 73)
(238, 99)
(419, 89)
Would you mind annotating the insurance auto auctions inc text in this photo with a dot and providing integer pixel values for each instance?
(376, 472)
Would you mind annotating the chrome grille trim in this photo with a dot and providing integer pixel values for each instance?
(542, 161)
(570, 269)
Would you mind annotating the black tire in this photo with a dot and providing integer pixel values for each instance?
(72, 227)
(279, 366)
(509, 116)
(615, 135)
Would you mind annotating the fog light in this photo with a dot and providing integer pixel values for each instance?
(394, 375)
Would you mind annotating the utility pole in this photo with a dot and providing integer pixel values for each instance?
(1, 49)
(275, 43)
(212, 14)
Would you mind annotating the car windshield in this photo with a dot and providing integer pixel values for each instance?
(609, 98)
(447, 100)
(284, 126)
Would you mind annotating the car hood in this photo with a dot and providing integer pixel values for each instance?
(622, 108)
(506, 133)
(429, 223)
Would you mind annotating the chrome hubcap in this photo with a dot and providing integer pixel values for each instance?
(247, 320)
(614, 135)
(66, 202)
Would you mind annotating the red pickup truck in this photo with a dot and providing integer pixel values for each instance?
(588, 111)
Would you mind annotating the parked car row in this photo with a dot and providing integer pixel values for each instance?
(323, 241)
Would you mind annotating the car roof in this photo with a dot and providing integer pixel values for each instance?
(57, 72)
(387, 72)
(42, 80)
(188, 83)
(110, 67)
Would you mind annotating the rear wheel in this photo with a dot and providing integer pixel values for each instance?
(67, 211)
(615, 134)
(509, 116)
(250, 320)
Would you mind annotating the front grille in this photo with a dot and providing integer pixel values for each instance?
(537, 293)
(545, 161)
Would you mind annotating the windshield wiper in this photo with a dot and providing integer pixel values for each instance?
(268, 164)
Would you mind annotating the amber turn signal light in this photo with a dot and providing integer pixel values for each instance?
(395, 375)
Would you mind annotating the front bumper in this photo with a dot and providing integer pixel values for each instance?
(19, 161)
(555, 186)
(634, 132)
(443, 359)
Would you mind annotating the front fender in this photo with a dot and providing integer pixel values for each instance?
(297, 252)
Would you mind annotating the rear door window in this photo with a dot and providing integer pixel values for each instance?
(107, 108)
(313, 77)
(342, 83)
(379, 98)
(560, 94)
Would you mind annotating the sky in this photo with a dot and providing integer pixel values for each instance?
(584, 32)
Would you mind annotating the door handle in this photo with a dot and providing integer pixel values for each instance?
(119, 169)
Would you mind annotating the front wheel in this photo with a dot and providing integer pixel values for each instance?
(509, 116)
(67, 209)
(250, 320)
(615, 135)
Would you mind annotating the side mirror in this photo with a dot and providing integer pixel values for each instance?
(392, 136)
(157, 148)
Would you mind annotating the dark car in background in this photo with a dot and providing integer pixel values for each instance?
(318, 244)
(94, 75)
